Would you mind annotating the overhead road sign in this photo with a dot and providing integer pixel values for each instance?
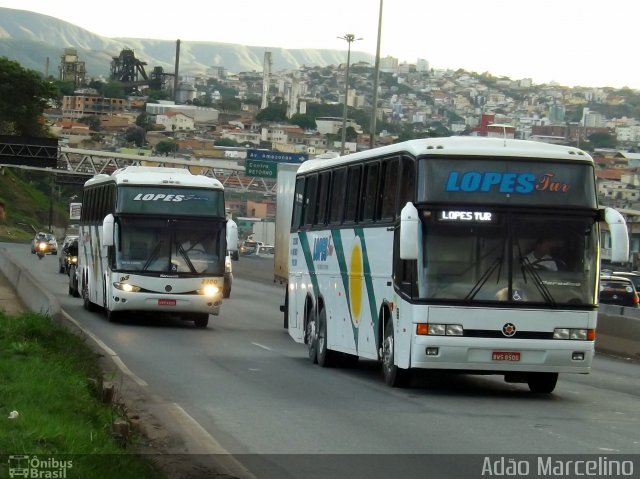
(277, 156)
(264, 169)
(28, 151)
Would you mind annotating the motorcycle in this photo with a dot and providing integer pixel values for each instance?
(41, 250)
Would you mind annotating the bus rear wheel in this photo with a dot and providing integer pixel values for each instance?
(542, 383)
(311, 335)
(326, 358)
(393, 375)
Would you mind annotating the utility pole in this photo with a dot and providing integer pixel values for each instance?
(350, 38)
(376, 79)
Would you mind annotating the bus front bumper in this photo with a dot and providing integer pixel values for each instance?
(183, 303)
(459, 353)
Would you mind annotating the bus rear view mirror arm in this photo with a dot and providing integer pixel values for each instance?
(410, 232)
(619, 235)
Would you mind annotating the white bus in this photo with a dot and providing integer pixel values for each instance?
(153, 239)
(416, 255)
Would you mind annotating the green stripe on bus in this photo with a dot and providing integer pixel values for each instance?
(304, 243)
(369, 283)
(342, 263)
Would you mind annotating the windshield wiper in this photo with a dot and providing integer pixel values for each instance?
(526, 266)
(497, 264)
(185, 256)
(152, 256)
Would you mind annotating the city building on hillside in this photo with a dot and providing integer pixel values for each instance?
(79, 106)
(175, 121)
(199, 114)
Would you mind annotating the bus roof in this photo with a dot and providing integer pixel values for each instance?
(155, 175)
(460, 145)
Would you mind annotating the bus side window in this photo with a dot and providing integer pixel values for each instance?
(337, 196)
(310, 199)
(323, 196)
(296, 217)
(388, 189)
(369, 191)
(404, 271)
(353, 190)
(407, 180)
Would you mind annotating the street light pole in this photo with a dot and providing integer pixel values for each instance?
(350, 38)
(376, 79)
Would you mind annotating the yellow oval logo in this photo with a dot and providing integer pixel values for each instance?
(356, 277)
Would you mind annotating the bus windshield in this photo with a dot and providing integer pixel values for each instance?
(474, 256)
(170, 246)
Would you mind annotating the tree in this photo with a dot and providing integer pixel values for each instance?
(92, 120)
(274, 112)
(135, 134)
(23, 98)
(145, 121)
(304, 121)
(602, 140)
(226, 142)
(113, 89)
(165, 147)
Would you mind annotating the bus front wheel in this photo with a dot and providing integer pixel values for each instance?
(543, 383)
(201, 320)
(393, 375)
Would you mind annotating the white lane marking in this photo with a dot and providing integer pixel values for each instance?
(262, 346)
(208, 445)
(108, 351)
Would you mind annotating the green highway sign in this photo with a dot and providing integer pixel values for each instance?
(266, 169)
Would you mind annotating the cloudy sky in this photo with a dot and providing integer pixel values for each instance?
(571, 42)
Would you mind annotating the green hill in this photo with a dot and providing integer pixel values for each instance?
(26, 197)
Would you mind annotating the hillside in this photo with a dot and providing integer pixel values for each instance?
(30, 38)
(25, 195)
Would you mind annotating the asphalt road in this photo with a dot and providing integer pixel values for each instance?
(248, 385)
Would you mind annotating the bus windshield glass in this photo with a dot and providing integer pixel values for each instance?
(169, 246)
(510, 257)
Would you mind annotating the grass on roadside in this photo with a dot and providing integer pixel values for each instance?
(44, 377)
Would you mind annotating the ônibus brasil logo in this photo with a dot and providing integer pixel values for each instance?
(35, 467)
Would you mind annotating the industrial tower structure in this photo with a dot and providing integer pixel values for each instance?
(266, 80)
(126, 68)
(71, 68)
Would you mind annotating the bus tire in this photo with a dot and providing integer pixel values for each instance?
(326, 357)
(393, 375)
(86, 303)
(201, 320)
(113, 316)
(311, 334)
(286, 308)
(542, 383)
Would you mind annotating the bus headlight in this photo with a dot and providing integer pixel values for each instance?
(576, 334)
(126, 287)
(209, 290)
(434, 329)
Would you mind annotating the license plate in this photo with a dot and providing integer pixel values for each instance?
(166, 302)
(505, 356)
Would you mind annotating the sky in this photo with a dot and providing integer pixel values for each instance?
(591, 43)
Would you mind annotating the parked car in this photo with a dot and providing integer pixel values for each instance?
(50, 239)
(69, 255)
(73, 281)
(618, 290)
(634, 276)
(250, 247)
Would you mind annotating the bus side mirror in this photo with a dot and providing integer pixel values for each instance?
(409, 232)
(619, 235)
(107, 230)
(232, 239)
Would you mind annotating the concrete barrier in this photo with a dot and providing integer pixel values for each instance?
(618, 330)
(28, 288)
